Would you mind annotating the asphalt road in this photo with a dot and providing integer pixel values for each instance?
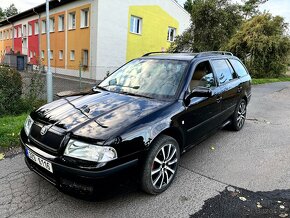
(254, 159)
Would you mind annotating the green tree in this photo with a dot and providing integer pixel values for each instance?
(213, 24)
(188, 5)
(262, 43)
(11, 10)
(250, 7)
(2, 15)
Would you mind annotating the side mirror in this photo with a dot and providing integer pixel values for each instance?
(199, 92)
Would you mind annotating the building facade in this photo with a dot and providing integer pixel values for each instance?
(96, 36)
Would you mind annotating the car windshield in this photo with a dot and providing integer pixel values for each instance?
(150, 78)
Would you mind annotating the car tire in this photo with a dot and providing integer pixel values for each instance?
(160, 166)
(239, 117)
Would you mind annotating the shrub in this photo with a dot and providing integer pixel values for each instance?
(10, 90)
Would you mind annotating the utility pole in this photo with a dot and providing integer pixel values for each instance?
(49, 86)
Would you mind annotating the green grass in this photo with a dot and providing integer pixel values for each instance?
(270, 80)
(10, 127)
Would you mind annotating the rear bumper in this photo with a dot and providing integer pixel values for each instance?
(70, 178)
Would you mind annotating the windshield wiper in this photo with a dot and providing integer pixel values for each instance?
(137, 95)
(102, 88)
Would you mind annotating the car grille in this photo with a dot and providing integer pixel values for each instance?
(50, 141)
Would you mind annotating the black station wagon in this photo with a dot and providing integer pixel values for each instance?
(146, 114)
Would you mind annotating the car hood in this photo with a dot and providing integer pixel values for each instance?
(97, 116)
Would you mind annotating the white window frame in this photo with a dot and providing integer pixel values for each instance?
(42, 54)
(43, 26)
(85, 57)
(71, 22)
(171, 38)
(72, 55)
(51, 25)
(61, 23)
(60, 55)
(11, 33)
(15, 33)
(85, 18)
(51, 54)
(24, 31)
(134, 25)
(29, 29)
(36, 28)
(19, 32)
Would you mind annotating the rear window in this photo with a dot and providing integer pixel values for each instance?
(238, 67)
(223, 71)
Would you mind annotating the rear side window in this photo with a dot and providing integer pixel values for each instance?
(223, 71)
(238, 67)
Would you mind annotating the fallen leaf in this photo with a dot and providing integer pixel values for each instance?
(212, 148)
(242, 198)
(283, 215)
(259, 205)
(282, 206)
(2, 156)
(279, 202)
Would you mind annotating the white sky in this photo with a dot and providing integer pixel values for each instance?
(276, 7)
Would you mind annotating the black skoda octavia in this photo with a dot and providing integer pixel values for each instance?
(146, 114)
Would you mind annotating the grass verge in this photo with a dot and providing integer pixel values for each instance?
(270, 80)
(10, 127)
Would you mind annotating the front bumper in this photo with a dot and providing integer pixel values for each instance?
(71, 178)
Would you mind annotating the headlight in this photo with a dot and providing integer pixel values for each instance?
(90, 152)
(27, 125)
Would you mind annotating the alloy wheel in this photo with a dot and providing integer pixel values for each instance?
(241, 114)
(164, 166)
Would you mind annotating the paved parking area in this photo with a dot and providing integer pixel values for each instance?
(254, 159)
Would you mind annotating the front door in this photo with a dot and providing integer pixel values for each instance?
(202, 114)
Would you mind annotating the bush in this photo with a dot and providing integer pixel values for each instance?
(10, 90)
(263, 45)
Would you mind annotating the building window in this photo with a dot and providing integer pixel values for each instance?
(19, 32)
(60, 54)
(31, 54)
(171, 34)
(1, 37)
(43, 26)
(136, 25)
(84, 18)
(51, 54)
(51, 25)
(72, 20)
(15, 32)
(72, 55)
(36, 28)
(24, 31)
(85, 58)
(29, 29)
(11, 33)
(61, 23)
(42, 54)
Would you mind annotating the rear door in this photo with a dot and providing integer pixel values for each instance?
(229, 85)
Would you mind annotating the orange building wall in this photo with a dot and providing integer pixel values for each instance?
(57, 43)
(78, 39)
(5, 44)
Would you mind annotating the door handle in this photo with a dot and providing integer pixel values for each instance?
(219, 99)
(240, 89)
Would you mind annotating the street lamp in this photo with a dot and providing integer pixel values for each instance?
(49, 86)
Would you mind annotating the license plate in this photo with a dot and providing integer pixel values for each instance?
(41, 162)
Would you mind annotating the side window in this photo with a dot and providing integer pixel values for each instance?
(224, 72)
(202, 76)
(239, 68)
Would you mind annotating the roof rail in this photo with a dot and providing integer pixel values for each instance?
(156, 52)
(207, 53)
(164, 52)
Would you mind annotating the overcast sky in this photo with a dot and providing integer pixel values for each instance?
(276, 7)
